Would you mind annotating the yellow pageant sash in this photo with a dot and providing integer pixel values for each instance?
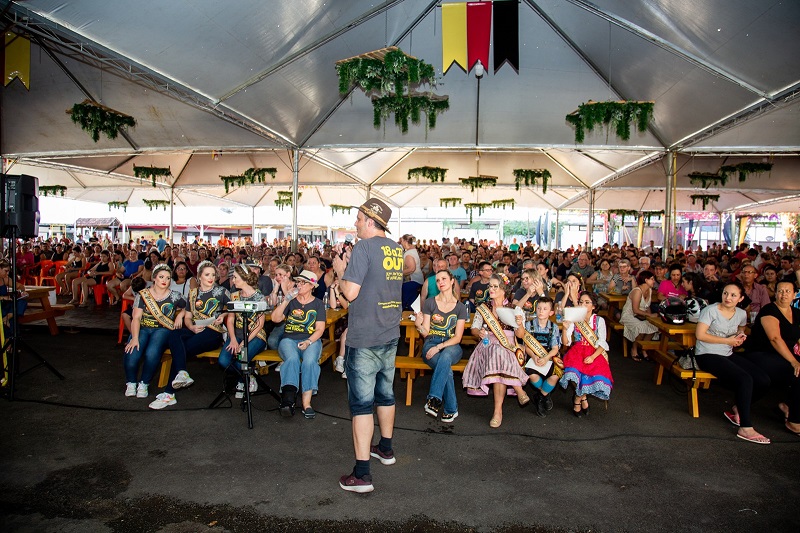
(587, 332)
(536, 347)
(494, 327)
(154, 309)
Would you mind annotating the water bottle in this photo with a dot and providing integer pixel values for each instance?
(559, 311)
(486, 338)
(325, 300)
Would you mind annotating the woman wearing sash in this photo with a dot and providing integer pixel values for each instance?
(156, 311)
(207, 302)
(245, 280)
(441, 322)
(586, 362)
(493, 362)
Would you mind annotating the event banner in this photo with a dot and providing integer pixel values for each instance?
(467, 29)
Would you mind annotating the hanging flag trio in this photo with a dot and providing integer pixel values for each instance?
(467, 29)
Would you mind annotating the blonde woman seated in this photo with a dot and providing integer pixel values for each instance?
(494, 362)
(636, 311)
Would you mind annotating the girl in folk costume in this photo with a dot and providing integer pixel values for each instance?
(156, 311)
(586, 362)
(494, 362)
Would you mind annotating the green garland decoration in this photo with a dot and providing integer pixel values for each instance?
(707, 179)
(480, 207)
(622, 213)
(616, 115)
(650, 214)
(432, 174)
(409, 106)
(447, 202)
(250, 176)
(478, 182)
(94, 118)
(285, 199)
(151, 172)
(744, 169)
(705, 198)
(507, 202)
(118, 205)
(52, 190)
(156, 203)
(336, 208)
(531, 177)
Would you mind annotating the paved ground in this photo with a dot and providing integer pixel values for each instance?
(78, 456)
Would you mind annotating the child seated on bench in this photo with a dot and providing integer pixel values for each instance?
(544, 366)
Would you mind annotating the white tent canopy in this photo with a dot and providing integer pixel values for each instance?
(217, 88)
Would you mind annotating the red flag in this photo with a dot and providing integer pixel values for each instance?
(479, 33)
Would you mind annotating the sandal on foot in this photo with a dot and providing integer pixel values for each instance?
(732, 417)
(790, 430)
(576, 403)
(783, 409)
(523, 400)
(495, 422)
(636, 358)
(585, 410)
(758, 438)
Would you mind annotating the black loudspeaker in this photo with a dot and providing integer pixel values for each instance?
(20, 206)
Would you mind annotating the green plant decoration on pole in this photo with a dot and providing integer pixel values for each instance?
(118, 205)
(94, 119)
(52, 190)
(616, 115)
(447, 202)
(744, 169)
(285, 199)
(478, 182)
(387, 75)
(151, 172)
(650, 214)
(622, 213)
(707, 179)
(507, 202)
(250, 176)
(705, 198)
(531, 177)
(432, 174)
(480, 207)
(156, 203)
(335, 208)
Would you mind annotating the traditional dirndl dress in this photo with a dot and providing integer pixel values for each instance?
(594, 379)
(493, 364)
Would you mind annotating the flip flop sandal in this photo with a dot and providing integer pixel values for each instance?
(755, 439)
(790, 430)
(732, 417)
(637, 358)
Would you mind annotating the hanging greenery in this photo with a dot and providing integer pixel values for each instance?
(707, 179)
(478, 182)
(744, 169)
(118, 205)
(408, 106)
(705, 198)
(622, 213)
(156, 203)
(52, 190)
(94, 118)
(250, 176)
(508, 202)
(432, 174)
(285, 199)
(650, 214)
(335, 208)
(447, 202)
(530, 177)
(616, 115)
(480, 207)
(151, 172)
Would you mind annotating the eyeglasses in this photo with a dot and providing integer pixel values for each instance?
(301, 282)
(487, 269)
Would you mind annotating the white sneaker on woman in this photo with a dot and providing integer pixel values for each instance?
(141, 390)
(130, 389)
(182, 380)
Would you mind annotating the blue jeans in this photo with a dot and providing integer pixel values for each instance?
(275, 336)
(229, 361)
(184, 343)
(442, 386)
(152, 343)
(410, 293)
(370, 377)
(296, 361)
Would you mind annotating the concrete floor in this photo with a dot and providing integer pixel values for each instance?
(78, 456)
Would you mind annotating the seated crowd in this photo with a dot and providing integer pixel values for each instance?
(180, 294)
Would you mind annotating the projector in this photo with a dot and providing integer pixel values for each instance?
(238, 306)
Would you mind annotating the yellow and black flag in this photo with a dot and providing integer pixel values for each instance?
(17, 60)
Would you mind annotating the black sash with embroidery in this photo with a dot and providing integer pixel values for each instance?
(155, 310)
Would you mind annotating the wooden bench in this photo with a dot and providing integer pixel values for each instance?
(329, 349)
(46, 314)
(418, 363)
(694, 379)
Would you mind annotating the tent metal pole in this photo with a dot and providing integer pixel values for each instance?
(171, 211)
(668, 213)
(253, 228)
(719, 226)
(590, 225)
(295, 187)
(558, 230)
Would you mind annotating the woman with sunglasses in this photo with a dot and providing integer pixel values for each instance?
(182, 279)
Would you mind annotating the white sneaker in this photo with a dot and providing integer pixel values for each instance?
(162, 400)
(239, 390)
(253, 384)
(344, 374)
(141, 390)
(278, 367)
(182, 380)
(338, 364)
(130, 389)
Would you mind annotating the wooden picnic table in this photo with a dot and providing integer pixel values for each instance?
(40, 308)
(616, 302)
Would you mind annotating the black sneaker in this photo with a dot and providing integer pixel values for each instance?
(449, 417)
(432, 407)
(386, 458)
(548, 402)
(541, 405)
(352, 483)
